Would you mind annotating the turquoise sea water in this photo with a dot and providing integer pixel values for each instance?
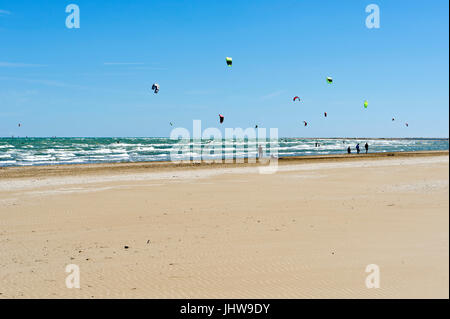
(48, 151)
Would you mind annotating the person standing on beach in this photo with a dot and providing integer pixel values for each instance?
(349, 150)
(260, 151)
(357, 148)
(366, 147)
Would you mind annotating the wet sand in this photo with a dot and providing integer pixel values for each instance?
(225, 231)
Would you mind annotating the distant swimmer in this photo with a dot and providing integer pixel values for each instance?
(366, 147)
(349, 150)
(407, 125)
(357, 148)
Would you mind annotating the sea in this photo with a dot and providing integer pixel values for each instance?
(85, 150)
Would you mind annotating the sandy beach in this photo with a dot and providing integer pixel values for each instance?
(156, 230)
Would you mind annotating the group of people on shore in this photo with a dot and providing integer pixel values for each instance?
(358, 150)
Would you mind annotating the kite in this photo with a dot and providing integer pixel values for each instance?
(329, 79)
(325, 114)
(366, 104)
(221, 118)
(155, 88)
(229, 61)
(296, 98)
(305, 123)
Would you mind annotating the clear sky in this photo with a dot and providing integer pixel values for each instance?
(96, 80)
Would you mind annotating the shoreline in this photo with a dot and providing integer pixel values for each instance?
(13, 172)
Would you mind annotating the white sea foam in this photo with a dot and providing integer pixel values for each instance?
(101, 150)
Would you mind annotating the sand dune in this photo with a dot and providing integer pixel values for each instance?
(308, 231)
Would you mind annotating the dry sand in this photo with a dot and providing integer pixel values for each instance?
(308, 231)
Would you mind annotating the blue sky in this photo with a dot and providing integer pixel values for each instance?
(95, 81)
